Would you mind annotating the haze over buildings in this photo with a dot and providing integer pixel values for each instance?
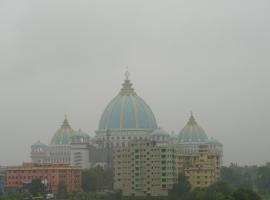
(66, 57)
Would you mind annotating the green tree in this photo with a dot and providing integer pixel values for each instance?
(181, 189)
(221, 187)
(245, 194)
(12, 196)
(62, 190)
(244, 177)
(263, 179)
(36, 188)
(96, 179)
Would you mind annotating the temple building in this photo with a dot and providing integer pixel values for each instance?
(125, 121)
(59, 149)
(127, 117)
(192, 136)
(198, 157)
(69, 147)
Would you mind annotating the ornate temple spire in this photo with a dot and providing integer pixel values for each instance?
(191, 119)
(127, 74)
(65, 123)
(127, 86)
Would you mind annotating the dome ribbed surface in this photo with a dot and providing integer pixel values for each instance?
(127, 111)
(63, 135)
(192, 132)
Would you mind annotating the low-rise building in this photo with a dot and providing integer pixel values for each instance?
(49, 174)
(143, 168)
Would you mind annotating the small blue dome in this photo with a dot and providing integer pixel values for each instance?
(212, 141)
(192, 132)
(39, 144)
(80, 134)
(159, 132)
(127, 111)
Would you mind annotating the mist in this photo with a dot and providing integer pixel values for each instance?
(69, 57)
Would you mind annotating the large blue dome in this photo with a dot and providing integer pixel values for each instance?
(127, 111)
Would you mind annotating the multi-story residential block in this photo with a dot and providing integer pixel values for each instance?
(143, 168)
(202, 168)
(50, 174)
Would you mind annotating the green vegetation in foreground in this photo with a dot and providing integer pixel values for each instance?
(265, 197)
(218, 191)
(253, 177)
(237, 183)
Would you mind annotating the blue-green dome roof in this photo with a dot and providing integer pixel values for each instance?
(192, 132)
(212, 141)
(80, 134)
(63, 135)
(159, 132)
(127, 111)
(39, 144)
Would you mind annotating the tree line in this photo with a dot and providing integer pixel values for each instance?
(236, 183)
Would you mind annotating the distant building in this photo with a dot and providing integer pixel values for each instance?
(58, 151)
(202, 168)
(2, 179)
(51, 174)
(143, 168)
(79, 150)
(192, 136)
(128, 118)
(198, 157)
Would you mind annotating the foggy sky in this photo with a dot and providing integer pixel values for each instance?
(62, 57)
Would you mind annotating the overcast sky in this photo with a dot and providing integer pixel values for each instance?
(62, 57)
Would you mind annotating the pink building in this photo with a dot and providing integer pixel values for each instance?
(50, 174)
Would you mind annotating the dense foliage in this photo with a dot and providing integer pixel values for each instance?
(252, 177)
(97, 179)
(36, 188)
(218, 191)
(61, 190)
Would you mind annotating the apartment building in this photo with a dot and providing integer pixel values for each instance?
(202, 167)
(143, 168)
